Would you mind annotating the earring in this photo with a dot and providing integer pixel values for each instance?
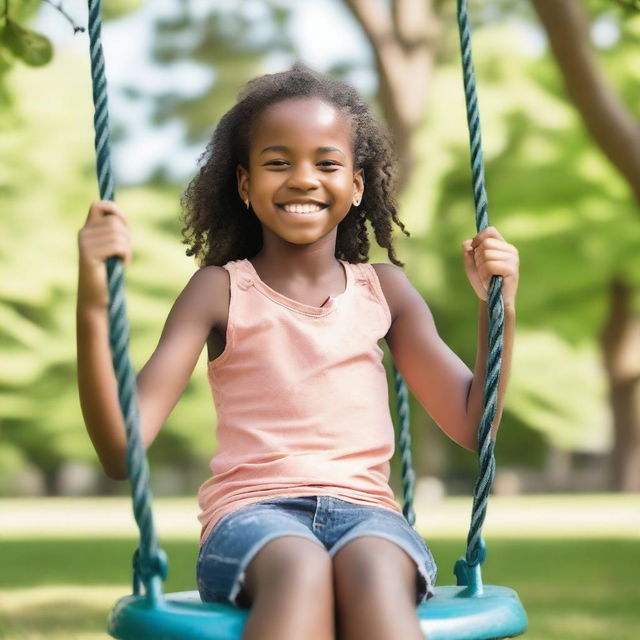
(356, 203)
(247, 203)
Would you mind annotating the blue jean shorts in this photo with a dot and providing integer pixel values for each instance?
(238, 536)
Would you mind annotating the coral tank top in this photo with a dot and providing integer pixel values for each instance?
(301, 397)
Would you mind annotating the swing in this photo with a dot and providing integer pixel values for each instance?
(468, 611)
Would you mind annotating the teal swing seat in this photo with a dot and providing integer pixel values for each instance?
(468, 611)
(450, 615)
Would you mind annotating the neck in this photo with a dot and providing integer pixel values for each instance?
(290, 261)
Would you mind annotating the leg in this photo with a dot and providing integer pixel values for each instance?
(375, 584)
(289, 585)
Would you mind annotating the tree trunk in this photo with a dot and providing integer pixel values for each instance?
(404, 41)
(620, 342)
(615, 130)
(51, 479)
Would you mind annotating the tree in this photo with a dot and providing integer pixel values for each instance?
(561, 306)
(399, 51)
(616, 131)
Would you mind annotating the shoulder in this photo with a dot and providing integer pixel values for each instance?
(212, 280)
(396, 287)
(207, 293)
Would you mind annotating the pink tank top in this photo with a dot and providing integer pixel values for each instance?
(301, 397)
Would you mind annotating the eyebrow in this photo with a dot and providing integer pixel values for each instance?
(281, 147)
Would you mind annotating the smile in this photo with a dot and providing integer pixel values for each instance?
(301, 209)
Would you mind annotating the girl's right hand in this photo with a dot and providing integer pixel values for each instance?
(104, 234)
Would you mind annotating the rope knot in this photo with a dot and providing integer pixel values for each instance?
(144, 569)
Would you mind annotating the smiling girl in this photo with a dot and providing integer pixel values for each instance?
(299, 522)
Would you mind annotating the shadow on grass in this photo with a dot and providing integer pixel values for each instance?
(571, 589)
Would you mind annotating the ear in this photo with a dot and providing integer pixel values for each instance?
(358, 185)
(243, 182)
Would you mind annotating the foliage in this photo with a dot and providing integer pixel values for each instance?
(48, 181)
(550, 193)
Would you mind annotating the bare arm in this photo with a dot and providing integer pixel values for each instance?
(162, 380)
(440, 380)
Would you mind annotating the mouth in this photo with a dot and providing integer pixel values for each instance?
(300, 210)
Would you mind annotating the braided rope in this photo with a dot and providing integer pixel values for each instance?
(475, 545)
(404, 442)
(149, 559)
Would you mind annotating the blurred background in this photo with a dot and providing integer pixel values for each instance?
(559, 91)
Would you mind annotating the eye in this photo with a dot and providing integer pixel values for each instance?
(329, 164)
(277, 163)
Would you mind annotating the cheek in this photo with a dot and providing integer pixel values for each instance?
(342, 183)
(267, 181)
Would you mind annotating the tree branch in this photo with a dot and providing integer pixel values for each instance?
(372, 20)
(60, 8)
(404, 41)
(606, 117)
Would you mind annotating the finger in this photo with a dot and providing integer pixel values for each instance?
(103, 208)
(467, 250)
(482, 256)
(98, 243)
(489, 232)
(103, 248)
(494, 243)
(108, 227)
(497, 268)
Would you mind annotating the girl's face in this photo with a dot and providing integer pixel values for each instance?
(300, 153)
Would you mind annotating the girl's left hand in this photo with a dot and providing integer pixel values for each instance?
(489, 255)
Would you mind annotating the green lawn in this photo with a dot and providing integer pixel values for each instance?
(57, 587)
(572, 589)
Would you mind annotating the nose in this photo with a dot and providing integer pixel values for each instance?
(303, 176)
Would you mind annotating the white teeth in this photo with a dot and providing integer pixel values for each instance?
(302, 208)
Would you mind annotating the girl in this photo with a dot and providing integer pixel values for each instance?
(298, 520)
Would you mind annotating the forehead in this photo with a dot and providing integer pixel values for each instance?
(302, 122)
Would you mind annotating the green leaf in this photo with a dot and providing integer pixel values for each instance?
(32, 48)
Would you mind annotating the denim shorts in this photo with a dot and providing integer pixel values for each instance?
(238, 536)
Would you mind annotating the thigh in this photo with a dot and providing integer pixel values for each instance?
(374, 574)
(362, 521)
(289, 568)
(234, 542)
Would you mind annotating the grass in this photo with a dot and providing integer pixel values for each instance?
(573, 587)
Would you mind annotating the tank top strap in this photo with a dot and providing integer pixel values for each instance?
(368, 277)
(360, 272)
(240, 274)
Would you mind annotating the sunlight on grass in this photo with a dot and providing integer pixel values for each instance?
(56, 612)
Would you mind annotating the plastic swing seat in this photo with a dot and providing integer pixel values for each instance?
(452, 614)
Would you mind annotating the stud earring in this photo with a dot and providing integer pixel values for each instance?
(247, 203)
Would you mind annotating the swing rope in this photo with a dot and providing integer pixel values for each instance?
(467, 569)
(150, 561)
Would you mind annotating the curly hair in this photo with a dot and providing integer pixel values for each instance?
(218, 228)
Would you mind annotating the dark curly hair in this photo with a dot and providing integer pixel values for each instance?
(218, 228)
